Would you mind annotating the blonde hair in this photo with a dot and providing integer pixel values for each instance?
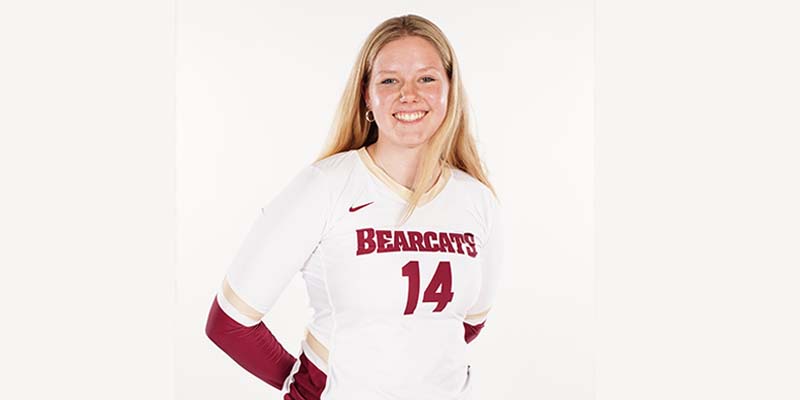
(452, 145)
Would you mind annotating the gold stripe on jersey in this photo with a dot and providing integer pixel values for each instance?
(477, 317)
(396, 187)
(238, 303)
(318, 348)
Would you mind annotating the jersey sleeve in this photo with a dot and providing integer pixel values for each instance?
(492, 265)
(277, 246)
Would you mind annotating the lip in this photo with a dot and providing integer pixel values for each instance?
(411, 122)
(409, 111)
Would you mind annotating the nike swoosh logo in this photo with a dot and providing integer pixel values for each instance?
(354, 209)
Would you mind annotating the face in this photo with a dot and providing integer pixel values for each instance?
(407, 91)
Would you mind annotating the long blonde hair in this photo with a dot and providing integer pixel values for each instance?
(451, 145)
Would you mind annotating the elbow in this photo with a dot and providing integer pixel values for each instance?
(214, 324)
(223, 330)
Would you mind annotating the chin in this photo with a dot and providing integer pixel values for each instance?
(409, 140)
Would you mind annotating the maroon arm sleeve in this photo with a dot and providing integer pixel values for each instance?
(472, 331)
(254, 348)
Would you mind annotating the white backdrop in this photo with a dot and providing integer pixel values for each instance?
(696, 187)
(257, 85)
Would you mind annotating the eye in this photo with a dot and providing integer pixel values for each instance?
(428, 77)
(388, 79)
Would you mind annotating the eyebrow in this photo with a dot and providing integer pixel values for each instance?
(390, 71)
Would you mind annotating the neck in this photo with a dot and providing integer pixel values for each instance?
(400, 163)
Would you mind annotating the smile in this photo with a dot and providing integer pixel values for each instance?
(410, 117)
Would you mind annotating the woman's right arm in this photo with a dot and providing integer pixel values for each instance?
(277, 246)
(254, 347)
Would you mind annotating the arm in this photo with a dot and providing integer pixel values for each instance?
(253, 347)
(472, 328)
(276, 247)
(492, 269)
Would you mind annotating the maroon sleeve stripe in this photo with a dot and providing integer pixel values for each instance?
(307, 383)
(254, 348)
(472, 331)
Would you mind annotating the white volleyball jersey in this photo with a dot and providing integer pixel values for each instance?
(389, 302)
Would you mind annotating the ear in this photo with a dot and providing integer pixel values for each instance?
(365, 94)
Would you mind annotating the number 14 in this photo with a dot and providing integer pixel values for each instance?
(439, 290)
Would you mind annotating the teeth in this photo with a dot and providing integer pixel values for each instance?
(410, 117)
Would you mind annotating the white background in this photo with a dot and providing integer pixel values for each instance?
(649, 152)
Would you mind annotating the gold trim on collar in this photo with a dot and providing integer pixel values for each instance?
(396, 187)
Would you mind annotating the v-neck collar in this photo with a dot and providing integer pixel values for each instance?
(396, 187)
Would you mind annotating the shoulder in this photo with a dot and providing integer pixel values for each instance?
(318, 178)
(330, 175)
(480, 200)
(324, 172)
(335, 168)
(341, 160)
(471, 188)
(313, 189)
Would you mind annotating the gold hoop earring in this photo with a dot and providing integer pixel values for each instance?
(366, 115)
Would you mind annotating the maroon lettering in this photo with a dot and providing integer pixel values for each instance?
(366, 241)
(439, 289)
(411, 270)
(444, 243)
(456, 237)
(384, 238)
(400, 241)
(415, 239)
(428, 236)
(369, 240)
(470, 239)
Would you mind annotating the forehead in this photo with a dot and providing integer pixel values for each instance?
(407, 54)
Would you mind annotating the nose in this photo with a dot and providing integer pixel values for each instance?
(408, 92)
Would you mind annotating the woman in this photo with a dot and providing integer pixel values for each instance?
(400, 278)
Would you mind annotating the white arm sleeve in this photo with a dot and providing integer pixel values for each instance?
(492, 264)
(277, 246)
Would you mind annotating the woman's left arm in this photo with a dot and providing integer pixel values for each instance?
(492, 268)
